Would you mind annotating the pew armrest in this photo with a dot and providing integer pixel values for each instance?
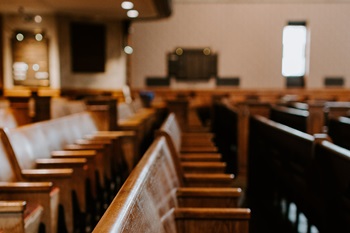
(203, 167)
(94, 141)
(208, 192)
(209, 180)
(111, 134)
(84, 147)
(205, 135)
(47, 173)
(88, 154)
(61, 162)
(212, 213)
(204, 220)
(12, 206)
(23, 187)
(208, 197)
(199, 149)
(199, 157)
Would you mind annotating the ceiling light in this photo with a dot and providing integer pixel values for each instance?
(132, 13)
(19, 36)
(39, 37)
(38, 19)
(128, 49)
(127, 5)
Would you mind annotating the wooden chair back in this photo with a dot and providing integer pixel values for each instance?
(147, 201)
(335, 172)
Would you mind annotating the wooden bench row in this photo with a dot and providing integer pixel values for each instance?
(178, 186)
(310, 117)
(19, 216)
(157, 197)
(307, 170)
(16, 186)
(224, 125)
(95, 161)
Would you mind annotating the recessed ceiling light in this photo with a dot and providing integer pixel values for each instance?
(20, 36)
(127, 5)
(39, 37)
(128, 49)
(132, 13)
(38, 19)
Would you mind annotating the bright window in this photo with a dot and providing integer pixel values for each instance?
(294, 47)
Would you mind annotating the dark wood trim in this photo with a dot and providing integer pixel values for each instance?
(164, 7)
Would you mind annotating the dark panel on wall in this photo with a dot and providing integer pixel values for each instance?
(295, 81)
(164, 7)
(334, 81)
(227, 81)
(192, 64)
(157, 81)
(172, 64)
(88, 47)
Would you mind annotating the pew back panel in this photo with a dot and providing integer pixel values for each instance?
(294, 118)
(285, 155)
(148, 201)
(335, 172)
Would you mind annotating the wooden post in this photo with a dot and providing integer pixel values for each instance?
(180, 108)
(316, 119)
(245, 110)
(105, 112)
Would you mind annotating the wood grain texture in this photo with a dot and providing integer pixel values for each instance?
(148, 199)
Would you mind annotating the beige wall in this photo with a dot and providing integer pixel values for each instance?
(57, 31)
(114, 76)
(248, 39)
(13, 23)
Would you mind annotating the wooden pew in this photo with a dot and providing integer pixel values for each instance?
(292, 117)
(62, 133)
(148, 202)
(334, 170)
(129, 116)
(13, 187)
(319, 113)
(171, 131)
(140, 121)
(38, 155)
(7, 118)
(202, 145)
(22, 144)
(245, 110)
(339, 131)
(20, 217)
(61, 106)
(225, 128)
(285, 156)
